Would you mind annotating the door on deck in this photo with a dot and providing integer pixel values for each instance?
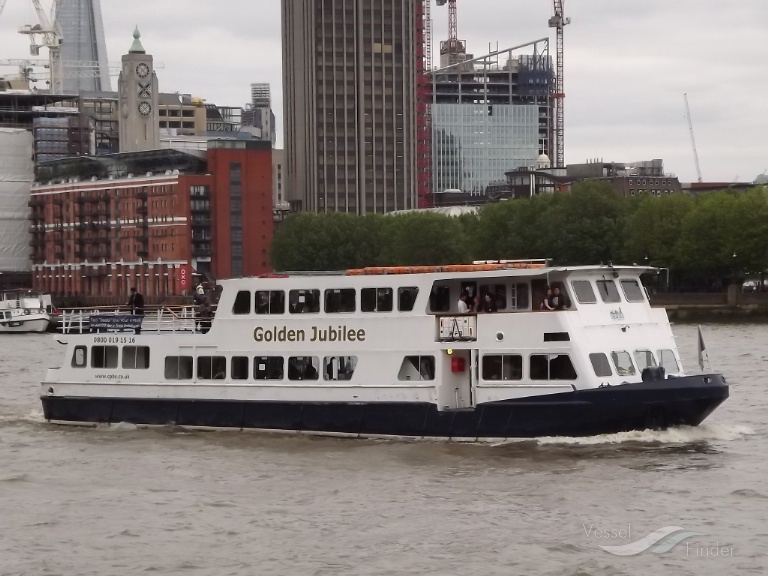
(460, 379)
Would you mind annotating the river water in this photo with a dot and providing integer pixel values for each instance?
(119, 500)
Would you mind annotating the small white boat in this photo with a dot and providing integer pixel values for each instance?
(24, 311)
(393, 351)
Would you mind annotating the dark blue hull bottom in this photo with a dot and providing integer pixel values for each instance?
(656, 404)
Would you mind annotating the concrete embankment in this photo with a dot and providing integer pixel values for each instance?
(731, 306)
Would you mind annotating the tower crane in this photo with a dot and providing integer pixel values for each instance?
(49, 32)
(453, 45)
(693, 141)
(559, 21)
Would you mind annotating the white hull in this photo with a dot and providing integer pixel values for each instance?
(29, 323)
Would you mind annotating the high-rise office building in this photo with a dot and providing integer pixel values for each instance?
(83, 49)
(349, 90)
(258, 113)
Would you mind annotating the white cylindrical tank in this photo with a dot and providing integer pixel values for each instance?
(16, 176)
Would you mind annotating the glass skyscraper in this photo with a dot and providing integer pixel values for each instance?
(83, 49)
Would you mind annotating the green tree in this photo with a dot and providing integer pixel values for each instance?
(423, 238)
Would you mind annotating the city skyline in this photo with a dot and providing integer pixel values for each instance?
(626, 68)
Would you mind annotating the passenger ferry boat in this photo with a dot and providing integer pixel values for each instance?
(24, 311)
(385, 352)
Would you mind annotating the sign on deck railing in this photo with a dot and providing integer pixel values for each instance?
(113, 323)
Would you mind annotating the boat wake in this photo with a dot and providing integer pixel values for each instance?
(677, 435)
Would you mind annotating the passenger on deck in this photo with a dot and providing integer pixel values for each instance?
(559, 301)
(546, 304)
(488, 303)
(462, 307)
(205, 315)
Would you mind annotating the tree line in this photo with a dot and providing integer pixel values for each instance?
(705, 241)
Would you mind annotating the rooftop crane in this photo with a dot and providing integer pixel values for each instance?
(453, 45)
(50, 32)
(693, 141)
(559, 21)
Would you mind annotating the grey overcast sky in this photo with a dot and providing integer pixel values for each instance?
(627, 65)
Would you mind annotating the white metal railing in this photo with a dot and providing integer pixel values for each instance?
(159, 320)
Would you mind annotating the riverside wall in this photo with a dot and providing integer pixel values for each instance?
(730, 306)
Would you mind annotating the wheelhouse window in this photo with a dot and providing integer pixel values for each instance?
(583, 291)
(270, 302)
(242, 303)
(440, 299)
(211, 367)
(104, 357)
(135, 357)
(304, 301)
(600, 364)
(503, 367)
(417, 368)
(303, 367)
(668, 361)
(632, 291)
(340, 300)
(608, 291)
(238, 368)
(339, 367)
(406, 298)
(268, 367)
(623, 363)
(551, 367)
(80, 357)
(178, 367)
(644, 358)
(376, 299)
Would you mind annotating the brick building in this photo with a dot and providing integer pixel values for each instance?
(100, 225)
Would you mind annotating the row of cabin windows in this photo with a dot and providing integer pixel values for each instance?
(540, 367)
(274, 368)
(336, 300)
(608, 291)
(440, 299)
(134, 357)
(622, 362)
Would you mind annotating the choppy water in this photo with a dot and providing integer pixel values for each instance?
(120, 500)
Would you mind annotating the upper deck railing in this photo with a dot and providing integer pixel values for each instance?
(161, 319)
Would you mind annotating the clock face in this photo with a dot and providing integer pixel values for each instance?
(145, 108)
(145, 90)
(142, 70)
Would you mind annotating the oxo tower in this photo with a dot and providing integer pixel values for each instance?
(83, 50)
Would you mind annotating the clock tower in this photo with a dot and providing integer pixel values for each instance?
(138, 100)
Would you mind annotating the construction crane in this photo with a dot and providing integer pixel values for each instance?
(559, 21)
(49, 32)
(693, 140)
(453, 45)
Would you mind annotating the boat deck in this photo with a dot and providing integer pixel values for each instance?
(162, 319)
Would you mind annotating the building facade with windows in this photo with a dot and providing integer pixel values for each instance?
(349, 90)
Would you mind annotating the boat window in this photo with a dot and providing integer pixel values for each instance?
(303, 367)
(242, 303)
(583, 291)
(376, 299)
(135, 357)
(440, 299)
(519, 296)
(608, 291)
(104, 357)
(644, 358)
(178, 367)
(668, 361)
(632, 291)
(557, 337)
(211, 367)
(406, 298)
(499, 292)
(239, 367)
(417, 368)
(600, 364)
(340, 300)
(80, 357)
(551, 367)
(623, 363)
(304, 301)
(502, 367)
(339, 367)
(268, 367)
(270, 302)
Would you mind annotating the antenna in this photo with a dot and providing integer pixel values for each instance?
(693, 141)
